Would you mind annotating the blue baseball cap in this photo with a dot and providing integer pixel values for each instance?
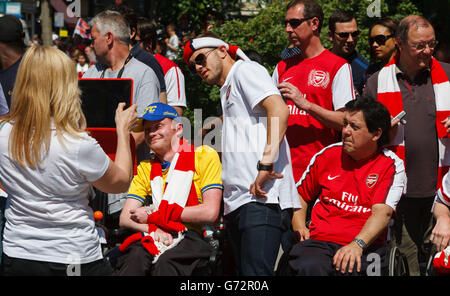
(155, 112)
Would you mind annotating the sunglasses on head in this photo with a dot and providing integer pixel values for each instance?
(295, 22)
(344, 35)
(200, 60)
(379, 39)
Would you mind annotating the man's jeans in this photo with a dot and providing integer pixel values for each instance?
(255, 232)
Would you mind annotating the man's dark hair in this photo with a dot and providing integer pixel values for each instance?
(339, 16)
(147, 32)
(375, 114)
(312, 9)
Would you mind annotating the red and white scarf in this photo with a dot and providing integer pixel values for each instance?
(169, 201)
(441, 262)
(389, 94)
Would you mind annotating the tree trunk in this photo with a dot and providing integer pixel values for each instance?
(46, 23)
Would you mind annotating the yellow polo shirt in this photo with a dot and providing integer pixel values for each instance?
(207, 175)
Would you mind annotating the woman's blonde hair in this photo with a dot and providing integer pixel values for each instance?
(46, 90)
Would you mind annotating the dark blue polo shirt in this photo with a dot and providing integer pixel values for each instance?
(359, 66)
(7, 80)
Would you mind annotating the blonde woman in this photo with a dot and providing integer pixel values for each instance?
(48, 162)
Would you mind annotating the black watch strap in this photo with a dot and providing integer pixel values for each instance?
(264, 167)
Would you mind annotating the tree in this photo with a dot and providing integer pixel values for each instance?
(198, 11)
(265, 34)
(46, 23)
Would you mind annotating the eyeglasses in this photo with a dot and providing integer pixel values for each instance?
(379, 39)
(421, 46)
(295, 22)
(344, 35)
(200, 60)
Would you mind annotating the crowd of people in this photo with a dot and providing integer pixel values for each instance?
(344, 158)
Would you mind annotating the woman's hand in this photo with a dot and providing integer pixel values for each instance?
(126, 119)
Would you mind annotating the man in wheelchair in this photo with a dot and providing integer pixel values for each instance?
(185, 188)
(358, 185)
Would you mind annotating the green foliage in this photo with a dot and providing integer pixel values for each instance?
(389, 8)
(265, 34)
(198, 10)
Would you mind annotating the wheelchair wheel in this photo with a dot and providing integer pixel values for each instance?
(398, 265)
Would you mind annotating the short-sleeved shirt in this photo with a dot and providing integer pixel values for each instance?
(359, 67)
(421, 142)
(244, 136)
(207, 174)
(174, 78)
(49, 218)
(8, 78)
(150, 60)
(347, 189)
(325, 80)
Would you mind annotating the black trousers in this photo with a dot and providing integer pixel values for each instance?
(24, 267)
(315, 258)
(181, 260)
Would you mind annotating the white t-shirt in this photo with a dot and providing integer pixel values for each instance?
(244, 138)
(47, 214)
(174, 42)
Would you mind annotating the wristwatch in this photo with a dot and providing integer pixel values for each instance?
(264, 167)
(360, 243)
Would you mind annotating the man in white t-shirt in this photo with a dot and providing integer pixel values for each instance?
(259, 189)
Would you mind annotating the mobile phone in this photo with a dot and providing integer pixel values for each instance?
(400, 116)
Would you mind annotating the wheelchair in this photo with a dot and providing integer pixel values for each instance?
(114, 235)
(398, 265)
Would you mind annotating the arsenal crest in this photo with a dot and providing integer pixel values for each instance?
(319, 78)
(371, 180)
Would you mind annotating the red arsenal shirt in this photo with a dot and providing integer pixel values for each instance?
(347, 189)
(326, 81)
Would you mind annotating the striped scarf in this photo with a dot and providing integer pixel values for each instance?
(170, 201)
(389, 94)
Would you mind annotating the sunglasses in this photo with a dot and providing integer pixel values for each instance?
(344, 35)
(295, 22)
(200, 60)
(379, 39)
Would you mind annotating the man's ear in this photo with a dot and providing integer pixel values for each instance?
(222, 51)
(377, 134)
(315, 24)
(132, 33)
(399, 43)
(109, 38)
(330, 35)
